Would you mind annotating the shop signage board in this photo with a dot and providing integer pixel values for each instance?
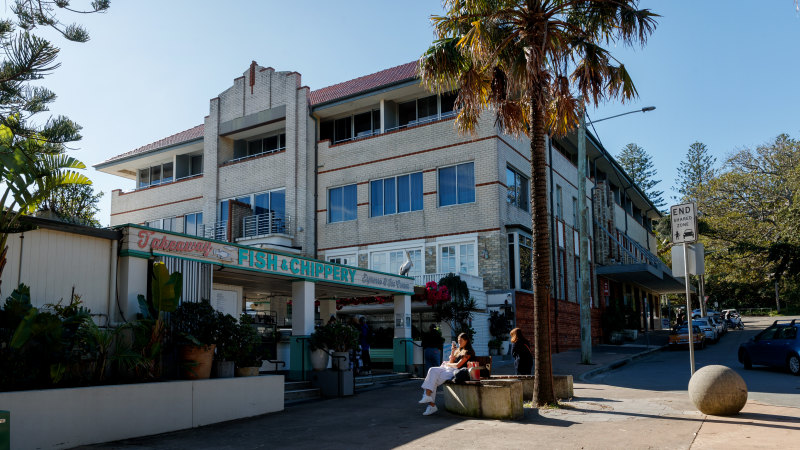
(143, 242)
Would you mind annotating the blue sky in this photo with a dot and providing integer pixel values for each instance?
(720, 72)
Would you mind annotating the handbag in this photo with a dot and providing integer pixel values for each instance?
(461, 376)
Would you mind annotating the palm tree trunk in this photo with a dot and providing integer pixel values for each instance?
(543, 384)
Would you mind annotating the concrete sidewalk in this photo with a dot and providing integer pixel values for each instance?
(599, 416)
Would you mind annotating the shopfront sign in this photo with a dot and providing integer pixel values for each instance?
(145, 242)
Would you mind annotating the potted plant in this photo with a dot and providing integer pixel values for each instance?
(247, 353)
(227, 337)
(317, 344)
(494, 347)
(336, 337)
(194, 327)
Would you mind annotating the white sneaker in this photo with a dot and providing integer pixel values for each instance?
(426, 399)
(430, 410)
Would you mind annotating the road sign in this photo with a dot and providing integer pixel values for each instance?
(684, 223)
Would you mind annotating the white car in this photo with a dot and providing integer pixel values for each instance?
(721, 329)
(708, 327)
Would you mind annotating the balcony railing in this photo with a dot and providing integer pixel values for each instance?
(257, 225)
(474, 283)
(264, 224)
(630, 251)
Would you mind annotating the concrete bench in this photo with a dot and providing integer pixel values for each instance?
(562, 385)
(487, 399)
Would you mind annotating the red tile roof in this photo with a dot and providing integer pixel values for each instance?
(179, 138)
(366, 83)
(336, 92)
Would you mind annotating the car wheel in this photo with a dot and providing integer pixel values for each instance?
(745, 359)
(793, 363)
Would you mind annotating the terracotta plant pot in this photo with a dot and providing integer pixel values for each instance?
(196, 361)
(246, 371)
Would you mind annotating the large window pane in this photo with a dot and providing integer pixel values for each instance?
(326, 130)
(223, 211)
(155, 175)
(416, 191)
(523, 196)
(270, 143)
(278, 203)
(525, 263)
(379, 262)
(362, 124)
(447, 186)
(466, 258)
(403, 194)
(511, 182)
(389, 199)
(144, 177)
(376, 198)
(197, 165)
(426, 108)
(376, 121)
(407, 112)
(342, 131)
(349, 206)
(335, 205)
(166, 173)
(168, 224)
(254, 147)
(448, 257)
(448, 102)
(261, 203)
(466, 183)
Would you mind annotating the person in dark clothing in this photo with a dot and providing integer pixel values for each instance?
(521, 352)
(364, 338)
(432, 342)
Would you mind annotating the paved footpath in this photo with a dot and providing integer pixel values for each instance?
(600, 416)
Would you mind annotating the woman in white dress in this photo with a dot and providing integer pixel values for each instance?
(438, 375)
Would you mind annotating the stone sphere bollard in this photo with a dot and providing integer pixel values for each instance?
(718, 391)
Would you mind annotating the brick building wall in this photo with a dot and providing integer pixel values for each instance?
(565, 327)
(158, 202)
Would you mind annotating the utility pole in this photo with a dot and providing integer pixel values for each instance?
(583, 233)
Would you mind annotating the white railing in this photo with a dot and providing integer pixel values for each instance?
(264, 224)
(474, 283)
(217, 231)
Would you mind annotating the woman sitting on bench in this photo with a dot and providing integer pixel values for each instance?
(438, 375)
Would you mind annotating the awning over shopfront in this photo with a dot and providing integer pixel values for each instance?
(656, 279)
(264, 270)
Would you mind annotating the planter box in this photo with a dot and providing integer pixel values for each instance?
(66, 418)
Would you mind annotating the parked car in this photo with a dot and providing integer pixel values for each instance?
(776, 346)
(680, 336)
(722, 328)
(708, 327)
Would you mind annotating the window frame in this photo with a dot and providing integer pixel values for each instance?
(458, 256)
(439, 184)
(372, 198)
(330, 209)
(161, 171)
(197, 224)
(519, 181)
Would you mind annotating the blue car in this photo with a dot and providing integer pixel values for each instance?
(777, 346)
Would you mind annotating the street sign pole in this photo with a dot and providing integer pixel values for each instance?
(688, 306)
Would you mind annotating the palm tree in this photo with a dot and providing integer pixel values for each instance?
(30, 169)
(535, 63)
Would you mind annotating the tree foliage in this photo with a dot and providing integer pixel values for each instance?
(75, 203)
(694, 172)
(32, 160)
(638, 164)
(752, 211)
(534, 64)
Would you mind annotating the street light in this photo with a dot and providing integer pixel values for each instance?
(586, 307)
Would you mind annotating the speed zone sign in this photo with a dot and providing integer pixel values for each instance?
(683, 219)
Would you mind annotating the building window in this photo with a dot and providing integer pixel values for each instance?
(426, 109)
(153, 223)
(457, 184)
(360, 125)
(561, 272)
(269, 144)
(342, 204)
(346, 260)
(458, 258)
(155, 175)
(193, 224)
(188, 166)
(517, 189)
(390, 261)
(396, 195)
(168, 224)
(559, 202)
(575, 212)
(520, 261)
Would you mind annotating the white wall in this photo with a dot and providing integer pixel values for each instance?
(65, 418)
(53, 262)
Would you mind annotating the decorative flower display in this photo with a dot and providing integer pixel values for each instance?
(435, 294)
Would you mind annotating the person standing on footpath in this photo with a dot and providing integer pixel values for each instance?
(364, 338)
(521, 352)
(432, 342)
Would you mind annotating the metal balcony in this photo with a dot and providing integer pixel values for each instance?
(264, 224)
